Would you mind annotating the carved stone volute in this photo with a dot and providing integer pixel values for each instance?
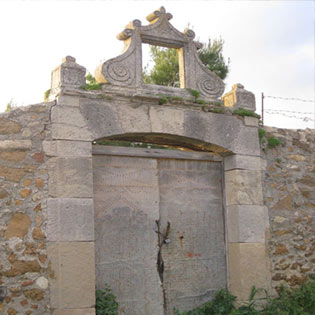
(126, 69)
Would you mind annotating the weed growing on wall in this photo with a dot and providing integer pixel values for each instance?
(267, 141)
(46, 95)
(105, 302)
(273, 142)
(261, 133)
(194, 93)
(245, 112)
(91, 83)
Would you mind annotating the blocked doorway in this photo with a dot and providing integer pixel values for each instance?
(159, 227)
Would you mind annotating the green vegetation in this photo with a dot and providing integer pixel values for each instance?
(245, 112)
(194, 93)
(218, 110)
(267, 141)
(211, 56)
(166, 68)
(91, 83)
(175, 98)
(11, 105)
(300, 301)
(162, 100)
(273, 142)
(46, 95)
(200, 101)
(105, 302)
(261, 133)
(215, 103)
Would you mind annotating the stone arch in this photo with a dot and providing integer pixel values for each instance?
(171, 140)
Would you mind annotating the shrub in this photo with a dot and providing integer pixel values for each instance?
(162, 100)
(273, 142)
(106, 302)
(300, 301)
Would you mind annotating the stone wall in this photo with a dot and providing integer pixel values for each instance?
(289, 194)
(24, 265)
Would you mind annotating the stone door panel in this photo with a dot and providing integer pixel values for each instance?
(126, 207)
(135, 200)
(194, 260)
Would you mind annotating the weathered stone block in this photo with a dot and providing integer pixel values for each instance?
(13, 156)
(68, 74)
(249, 266)
(247, 223)
(103, 119)
(8, 126)
(68, 100)
(228, 132)
(243, 162)
(132, 118)
(167, 120)
(239, 98)
(251, 121)
(67, 148)
(243, 187)
(72, 281)
(70, 177)
(12, 174)
(18, 225)
(21, 267)
(70, 219)
(69, 124)
(12, 145)
(82, 311)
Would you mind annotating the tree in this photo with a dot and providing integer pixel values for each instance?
(211, 56)
(166, 68)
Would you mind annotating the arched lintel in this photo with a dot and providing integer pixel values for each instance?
(171, 140)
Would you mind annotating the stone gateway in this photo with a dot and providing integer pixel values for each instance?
(165, 225)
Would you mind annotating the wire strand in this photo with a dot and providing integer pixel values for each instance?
(288, 98)
(288, 111)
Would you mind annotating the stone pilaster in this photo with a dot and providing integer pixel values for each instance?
(70, 229)
(247, 226)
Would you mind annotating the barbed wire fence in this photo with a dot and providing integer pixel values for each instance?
(305, 116)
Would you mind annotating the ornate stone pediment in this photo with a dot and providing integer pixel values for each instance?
(126, 69)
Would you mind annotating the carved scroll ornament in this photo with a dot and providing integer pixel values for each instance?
(126, 69)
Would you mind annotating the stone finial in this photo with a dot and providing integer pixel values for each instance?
(239, 98)
(126, 69)
(68, 74)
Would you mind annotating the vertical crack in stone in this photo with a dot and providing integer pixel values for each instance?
(162, 239)
(160, 262)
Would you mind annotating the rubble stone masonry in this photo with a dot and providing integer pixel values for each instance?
(289, 194)
(24, 268)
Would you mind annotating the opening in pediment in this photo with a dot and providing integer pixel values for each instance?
(160, 66)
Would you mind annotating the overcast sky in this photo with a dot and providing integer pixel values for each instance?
(270, 45)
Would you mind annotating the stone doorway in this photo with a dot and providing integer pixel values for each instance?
(159, 227)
